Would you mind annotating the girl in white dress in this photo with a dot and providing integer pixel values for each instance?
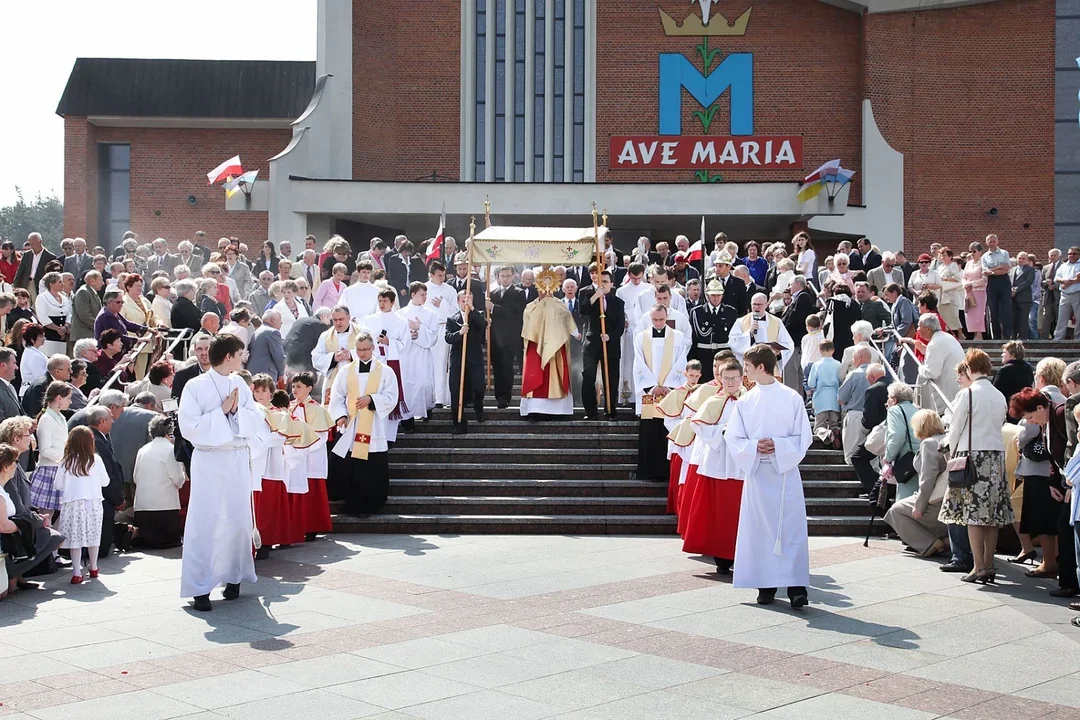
(79, 479)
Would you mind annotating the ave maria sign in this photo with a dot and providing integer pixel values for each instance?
(707, 152)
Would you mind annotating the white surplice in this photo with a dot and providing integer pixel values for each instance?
(715, 460)
(682, 322)
(629, 294)
(385, 399)
(773, 549)
(440, 351)
(740, 341)
(321, 358)
(647, 378)
(647, 298)
(217, 536)
(362, 299)
(416, 360)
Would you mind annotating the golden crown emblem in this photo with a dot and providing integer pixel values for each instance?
(716, 26)
(547, 282)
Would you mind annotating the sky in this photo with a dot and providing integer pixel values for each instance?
(43, 38)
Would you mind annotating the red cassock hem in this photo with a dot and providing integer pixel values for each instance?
(311, 510)
(673, 484)
(273, 515)
(712, 517)
(535, 379)
(684, 497)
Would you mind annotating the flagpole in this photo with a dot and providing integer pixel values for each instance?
(702, 256)
(465, 320)
(603, 313)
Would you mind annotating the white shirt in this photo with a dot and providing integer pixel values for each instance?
(52, 434)
(35, 260)
(82, 487)
(34, 364)
(162, 308)
(158, 477)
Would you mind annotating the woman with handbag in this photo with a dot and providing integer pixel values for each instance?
(900, 447)
(1048, 414)
(915, 518)
(978, 494)
(1040, 510)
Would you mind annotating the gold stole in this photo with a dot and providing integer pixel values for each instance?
(772, 333)
(648, 409)
(332, 347)
(365, 419)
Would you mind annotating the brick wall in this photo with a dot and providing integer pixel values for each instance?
(406, 89)
(967, 95)
(167, 166)
(807, 80)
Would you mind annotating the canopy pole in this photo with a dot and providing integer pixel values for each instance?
(487, 299)
(465, 320)
(603, 312)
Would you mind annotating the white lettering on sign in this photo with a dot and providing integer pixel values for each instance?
(778, 152)
(786, 154)
(647, 155)
(730, 154)
(749, 152)
(628, 156)
(669, 153)
(703, 153)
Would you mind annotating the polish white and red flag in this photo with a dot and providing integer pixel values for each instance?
(227, 169)
(436, 250)
(697, 250)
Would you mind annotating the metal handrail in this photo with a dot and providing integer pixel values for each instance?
(183, 335)
(905, 349)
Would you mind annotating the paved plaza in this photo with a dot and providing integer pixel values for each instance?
(529, 627)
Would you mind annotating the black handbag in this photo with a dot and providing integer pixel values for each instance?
(904, 466)
(961, 469)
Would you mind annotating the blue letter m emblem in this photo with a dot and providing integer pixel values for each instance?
(735, 72)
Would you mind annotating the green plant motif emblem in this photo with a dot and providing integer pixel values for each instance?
(707, 115)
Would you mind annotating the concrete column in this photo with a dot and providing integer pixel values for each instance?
(549, 91)
(590, 90)
(489, 93)
(467, 159)
(530, 85)
(334, 56)
(510, 73)
(568, 96)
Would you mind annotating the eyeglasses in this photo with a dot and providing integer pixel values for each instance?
(924, 262)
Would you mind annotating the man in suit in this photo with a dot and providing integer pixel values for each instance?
(58, 368)
(461, 269)
(873, 414)
(736, 293)
(871, 309)
(32, 265)
(162, 259)
(201, 350)
(1023, 278)
(906, 266)
(802, 306)
(864, 258)
(593, 341)
(130, 431)
(711, 324)
(79, 263)
(506, 308)
(85, 307)
(473, 338)
(260, 296)
(301, 340)
(266, 351)
(888, 272)
(9, 397)
(905, 319)
(750, 288)
(1051, 296)
(527, 287)
(100, 419)
(405, 268)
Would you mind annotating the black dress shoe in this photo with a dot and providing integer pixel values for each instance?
(954, 567)
(588, 417)
(612, 416)
(765, 596)
(232, 591)
(723, 567)
(458, 430)
(798, 597)
(262, 553)
(202, 603)
(503, 405)
(1064, 592)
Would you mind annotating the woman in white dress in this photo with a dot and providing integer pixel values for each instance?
(53, 310)
(290, 307)
(806, 265)
(161, 289)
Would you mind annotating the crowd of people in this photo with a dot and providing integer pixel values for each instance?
(311, 364)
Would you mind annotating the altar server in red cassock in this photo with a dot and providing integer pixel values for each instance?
(714, 494)
(676, 415)
(312, 509)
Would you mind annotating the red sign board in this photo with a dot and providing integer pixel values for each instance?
(705, 152)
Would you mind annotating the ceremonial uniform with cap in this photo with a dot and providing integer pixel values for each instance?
(711, 325)
(734, 289)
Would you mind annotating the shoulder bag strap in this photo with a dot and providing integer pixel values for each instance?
(971, 402)
(907, 428)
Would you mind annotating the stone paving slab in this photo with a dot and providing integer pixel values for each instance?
(533, 627)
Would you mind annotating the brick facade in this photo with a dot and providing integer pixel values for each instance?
(406, 89)
(966, 94)
(167, 165)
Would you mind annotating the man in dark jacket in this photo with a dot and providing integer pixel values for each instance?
(405, 268)
(58, 368)
(874, 410)
(32, 265)
(473, 337)
(507, 308)
(1023, 277)
(100, 420)
(1015, 373)
(592, 352)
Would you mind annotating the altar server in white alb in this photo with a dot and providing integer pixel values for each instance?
(416, 362)
(659, 360)
(758, 326)
(219, 418)
(361, 297)
(364, 394)
(441, 300)
(334, 348)
(392, 336)
(629, 293)
(767, 437)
